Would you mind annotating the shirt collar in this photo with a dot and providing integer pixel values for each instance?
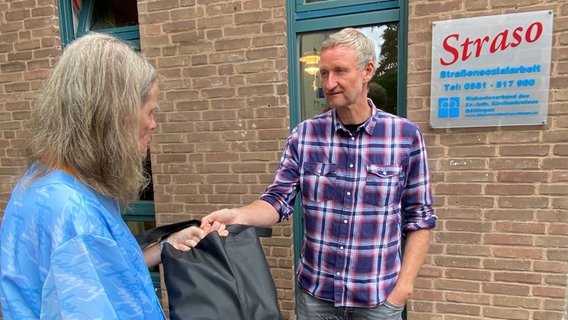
(368, 125)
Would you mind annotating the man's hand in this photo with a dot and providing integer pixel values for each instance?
(187, 238)
(218, 219)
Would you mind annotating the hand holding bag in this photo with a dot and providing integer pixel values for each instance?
(221, 277)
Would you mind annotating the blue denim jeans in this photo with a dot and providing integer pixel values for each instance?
(310, 308)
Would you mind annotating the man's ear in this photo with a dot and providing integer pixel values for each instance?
(369, 71)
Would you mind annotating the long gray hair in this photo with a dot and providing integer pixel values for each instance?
(355, 39)
(87, 116)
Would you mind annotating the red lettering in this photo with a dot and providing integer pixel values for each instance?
(517, 36)
(452, 50)
(529, 33)
(479, 43)
(500, 42)
(465, 49)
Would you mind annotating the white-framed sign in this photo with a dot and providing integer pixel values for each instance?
(491, 71)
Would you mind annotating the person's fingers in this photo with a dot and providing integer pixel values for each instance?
(205, 227)
(194, 238)
(181, 247)
(223, 230)
(208, 220)
(197, 232)
(190, 243)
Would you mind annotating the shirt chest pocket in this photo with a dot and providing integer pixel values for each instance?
(318, 181)
(383, 185)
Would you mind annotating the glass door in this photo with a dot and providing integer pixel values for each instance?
(384, 86)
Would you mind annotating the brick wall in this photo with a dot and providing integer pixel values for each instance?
(29, 41)
(501, 245)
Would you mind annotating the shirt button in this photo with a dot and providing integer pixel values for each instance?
(348, 193)
(338, 273)
(384, 173)
(319, 171)
(341, 247)
(352, 138)
(345, 221)
(351, 166)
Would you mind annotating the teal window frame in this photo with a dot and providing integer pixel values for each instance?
(130, 34)
(334, 14)
(65, 22)
(141, 210)
(340, 8)
(337, 5)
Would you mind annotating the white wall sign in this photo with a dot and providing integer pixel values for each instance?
(491, 71)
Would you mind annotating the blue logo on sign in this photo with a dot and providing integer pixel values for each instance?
(449, 107)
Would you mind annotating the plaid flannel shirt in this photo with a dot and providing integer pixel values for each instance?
(361, 192)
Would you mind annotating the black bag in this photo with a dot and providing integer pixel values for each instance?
(220, 278)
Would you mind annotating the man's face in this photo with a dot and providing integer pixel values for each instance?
(342, 82)
(147, 121)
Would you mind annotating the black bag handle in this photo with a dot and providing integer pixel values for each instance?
(156, 234)
(153, 235)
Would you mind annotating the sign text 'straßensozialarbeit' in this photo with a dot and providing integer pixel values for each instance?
(491, 71)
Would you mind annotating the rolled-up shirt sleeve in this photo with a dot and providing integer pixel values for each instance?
(417, 196)
(281, 194)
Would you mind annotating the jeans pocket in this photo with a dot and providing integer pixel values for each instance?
(393, 306)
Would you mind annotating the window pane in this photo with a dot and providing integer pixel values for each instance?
(338, 4)
(383, 90)
(111, 14)
(386, 74)
(311, 95)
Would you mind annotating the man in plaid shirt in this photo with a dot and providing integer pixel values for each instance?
(364, 183)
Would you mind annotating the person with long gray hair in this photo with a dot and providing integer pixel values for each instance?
(363, 178)
(65, 251)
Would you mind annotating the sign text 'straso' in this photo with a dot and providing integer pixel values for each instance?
(500, 42)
